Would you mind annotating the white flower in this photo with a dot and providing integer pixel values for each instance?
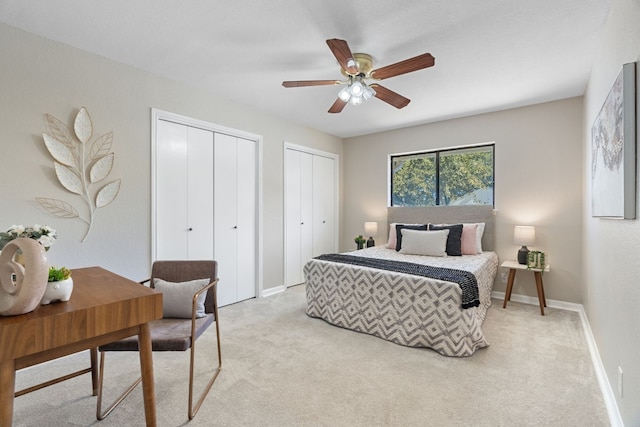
(42, 234)
(17, 229)
(46, 241)
(48, 230)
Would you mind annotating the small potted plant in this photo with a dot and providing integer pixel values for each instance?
(59, 286)
(360, 241)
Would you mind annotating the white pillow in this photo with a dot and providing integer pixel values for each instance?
(418, 242)
(177, 297)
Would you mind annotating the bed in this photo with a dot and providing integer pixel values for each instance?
(402, 307)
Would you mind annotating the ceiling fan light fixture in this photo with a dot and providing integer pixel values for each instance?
(345, 93)
(356, 100)
(357, 88)
(357, 68)
(368, 93)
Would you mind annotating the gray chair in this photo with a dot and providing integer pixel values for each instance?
(174, 334)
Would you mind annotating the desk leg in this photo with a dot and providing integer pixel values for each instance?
(7, 390)
(507, 294)
(146, 367)
(94, 369)
(540, 287)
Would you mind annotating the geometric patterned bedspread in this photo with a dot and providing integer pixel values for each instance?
(408, 310)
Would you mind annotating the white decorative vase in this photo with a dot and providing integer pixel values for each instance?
(22, 286)
(58, 291)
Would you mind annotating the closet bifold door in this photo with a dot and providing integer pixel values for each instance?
(184, 192)
(306, 211)
(235, 217)
(310, 210)
(323, 205)
(293, 217)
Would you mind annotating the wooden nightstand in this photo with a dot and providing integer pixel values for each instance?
(513, 267)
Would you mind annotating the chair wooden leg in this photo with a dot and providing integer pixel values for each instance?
(102, 415)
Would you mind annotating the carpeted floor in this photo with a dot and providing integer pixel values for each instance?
(283, 368)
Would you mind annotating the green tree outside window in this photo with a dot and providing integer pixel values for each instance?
(447, 177)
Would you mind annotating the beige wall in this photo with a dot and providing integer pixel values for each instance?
(611, 247)
(39, 76)
(538, 174)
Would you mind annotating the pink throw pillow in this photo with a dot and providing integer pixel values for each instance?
(391, 243)
(469, 245)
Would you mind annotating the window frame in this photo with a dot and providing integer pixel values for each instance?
(437, 153)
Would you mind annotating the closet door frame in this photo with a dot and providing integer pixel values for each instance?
(336, 210)
(156, 116)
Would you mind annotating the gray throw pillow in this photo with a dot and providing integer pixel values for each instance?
(177, 297)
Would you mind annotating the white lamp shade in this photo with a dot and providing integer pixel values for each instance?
(524, 235)
(370, 229)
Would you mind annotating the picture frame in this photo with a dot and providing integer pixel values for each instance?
(613, 150)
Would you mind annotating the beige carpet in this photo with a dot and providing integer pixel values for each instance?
(283, 368)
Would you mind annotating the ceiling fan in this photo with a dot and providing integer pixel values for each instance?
(358, 68)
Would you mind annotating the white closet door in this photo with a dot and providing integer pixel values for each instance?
(225, 211)
(306, 211)
(246, 216)
(323, 205)
(200, 194)
(171, 197)
(293, 218)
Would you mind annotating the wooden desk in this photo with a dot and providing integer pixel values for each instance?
(513, 266)
(103, 308)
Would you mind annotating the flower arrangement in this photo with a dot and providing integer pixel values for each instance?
(360, 241)
(42, 234)
(58, 274)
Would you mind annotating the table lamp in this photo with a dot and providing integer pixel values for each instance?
(524, 235)
(370, 229)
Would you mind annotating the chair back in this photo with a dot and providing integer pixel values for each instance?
(186, 270)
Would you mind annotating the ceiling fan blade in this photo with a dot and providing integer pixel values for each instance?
(342, 52)
(390, 97)
(337, 106)
(408, 65)
(303, 83)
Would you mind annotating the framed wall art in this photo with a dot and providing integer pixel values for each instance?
(613, 150)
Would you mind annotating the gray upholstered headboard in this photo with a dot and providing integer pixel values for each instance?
(449, 215)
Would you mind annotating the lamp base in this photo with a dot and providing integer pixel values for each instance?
(370, 242)
(522, 255)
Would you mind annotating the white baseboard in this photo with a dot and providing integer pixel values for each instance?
(272, 291)
(605, 385)
(534, 301)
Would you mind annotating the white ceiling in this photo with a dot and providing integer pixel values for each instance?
(490, 54)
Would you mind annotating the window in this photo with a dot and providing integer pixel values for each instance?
(458, 176)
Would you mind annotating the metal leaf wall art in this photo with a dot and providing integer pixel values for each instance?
(78, 165)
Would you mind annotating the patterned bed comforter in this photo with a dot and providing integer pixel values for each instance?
(405, 309)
